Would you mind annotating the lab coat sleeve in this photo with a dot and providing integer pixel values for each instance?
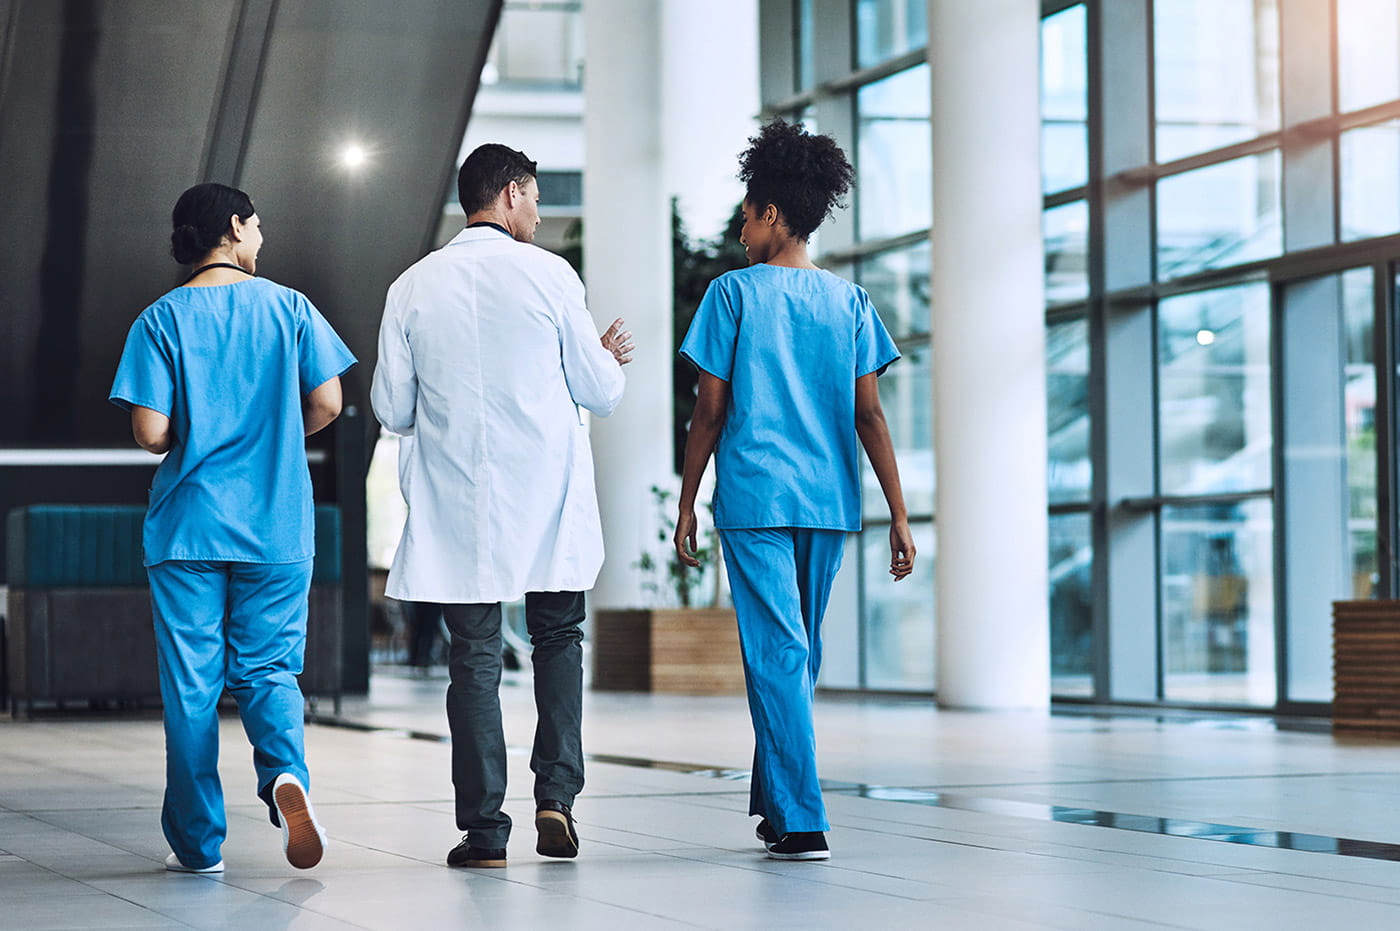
(394, 391)
(594, 377)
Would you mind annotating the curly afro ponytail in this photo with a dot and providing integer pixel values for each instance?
(803, 174)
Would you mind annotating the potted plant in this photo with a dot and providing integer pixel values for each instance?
(684, 641)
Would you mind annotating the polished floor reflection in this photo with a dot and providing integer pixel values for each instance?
(940, 820)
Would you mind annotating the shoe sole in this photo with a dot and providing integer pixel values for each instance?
(303, 841)
(555, 840)
(805, 855)
(481, 865)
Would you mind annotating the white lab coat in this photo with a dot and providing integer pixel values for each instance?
(486, 352)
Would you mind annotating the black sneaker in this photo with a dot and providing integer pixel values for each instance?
(801, 845)
(464, 854)
(555, 824)
(766, 833)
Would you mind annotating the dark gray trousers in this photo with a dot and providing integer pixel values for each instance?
(474, 709)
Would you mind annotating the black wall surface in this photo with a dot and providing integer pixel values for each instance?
(110, 108)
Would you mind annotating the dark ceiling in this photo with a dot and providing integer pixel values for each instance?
(110, 108)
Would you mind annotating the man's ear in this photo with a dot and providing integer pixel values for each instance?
(512, 193)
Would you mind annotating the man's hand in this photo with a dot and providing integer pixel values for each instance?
(685, 538)
(901, 550)
(619, 342)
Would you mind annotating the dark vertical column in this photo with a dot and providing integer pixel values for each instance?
(61, 269)
(352, 449)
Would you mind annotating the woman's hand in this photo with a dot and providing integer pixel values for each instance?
(901, 550)
(685, 538)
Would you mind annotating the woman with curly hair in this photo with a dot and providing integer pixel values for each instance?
(788, 355)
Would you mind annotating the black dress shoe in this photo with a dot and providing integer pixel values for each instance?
(555, 824)
(464, 854)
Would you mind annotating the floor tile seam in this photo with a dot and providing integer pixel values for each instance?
(969, 908)
(1282, 874)
(97, 890)
(798, 870)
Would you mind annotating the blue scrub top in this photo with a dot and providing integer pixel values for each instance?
(791, 342)
(229, 365)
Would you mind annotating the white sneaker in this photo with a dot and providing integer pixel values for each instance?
(303, 840)
(173, 864)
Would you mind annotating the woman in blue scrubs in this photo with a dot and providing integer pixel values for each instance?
(226, 375)
(788, 355)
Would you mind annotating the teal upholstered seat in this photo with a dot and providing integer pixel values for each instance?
(99, 546)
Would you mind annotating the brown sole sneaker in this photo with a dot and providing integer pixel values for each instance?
(557, 838)
(302, 840)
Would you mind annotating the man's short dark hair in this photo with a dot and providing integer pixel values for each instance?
(486, 171)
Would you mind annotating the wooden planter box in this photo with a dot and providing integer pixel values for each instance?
(1366, 667)
(691, 651)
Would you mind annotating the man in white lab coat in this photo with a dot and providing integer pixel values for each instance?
(486, 355)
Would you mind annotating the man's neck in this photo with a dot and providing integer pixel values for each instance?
(492, 217)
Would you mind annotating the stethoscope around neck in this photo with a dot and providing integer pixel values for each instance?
(204, 268)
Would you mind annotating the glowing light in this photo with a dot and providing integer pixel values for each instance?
(1205, 337)
(353, 155)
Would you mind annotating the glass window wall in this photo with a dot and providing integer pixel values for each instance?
(887, 28)
(1223, 215)
(1071, 605)
(898, 618)
(1217, 595)
(1064, 100)
(1368, 52)
(894, 152)
(1067, 252)
(1371, 181)
(1215, 409)
(1217, 73)
(906, 394)
(1067, 393)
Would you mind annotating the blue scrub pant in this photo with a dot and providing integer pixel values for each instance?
(781, 579)
(240, 626)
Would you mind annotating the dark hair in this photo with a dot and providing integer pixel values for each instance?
(202, 216)
(489, 168)
(803, 174)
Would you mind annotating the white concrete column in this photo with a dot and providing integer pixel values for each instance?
(627, 270)
(988, 326)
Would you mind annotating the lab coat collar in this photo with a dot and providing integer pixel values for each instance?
(478, 234)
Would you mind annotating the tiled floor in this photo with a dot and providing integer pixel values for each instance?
(669, 846)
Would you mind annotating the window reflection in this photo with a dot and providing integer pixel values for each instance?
(1217, 73)
(1064, 100)
(886, 28)
(1067, 384)
(895, 184)
(1222, 215)
(1370, 181)
(1215, 410)
(1218, 603)
(898, 619)
(1368, 52)
(1071, 599)
(1067, 253)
